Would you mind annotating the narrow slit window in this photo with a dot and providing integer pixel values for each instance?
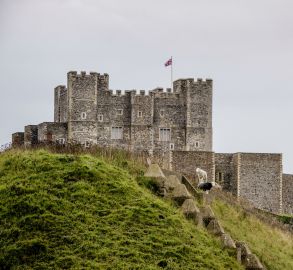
(220, 177)
(139, 114)
(100, 118)
(83, 115)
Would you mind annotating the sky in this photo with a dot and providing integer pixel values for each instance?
(245, 46)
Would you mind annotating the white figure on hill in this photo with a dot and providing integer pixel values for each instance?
(202, 176)
(203, 183)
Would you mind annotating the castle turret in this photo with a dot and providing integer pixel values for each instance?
(82, 107)
(199, 115)
(198, 95)
(60, 104)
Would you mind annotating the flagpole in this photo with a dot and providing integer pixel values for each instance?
(171, 74)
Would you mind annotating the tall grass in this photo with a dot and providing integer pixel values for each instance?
(81, 211)
(270, 242)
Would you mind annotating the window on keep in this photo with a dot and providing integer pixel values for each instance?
(117, 133)
(165, 134)
(100, 118)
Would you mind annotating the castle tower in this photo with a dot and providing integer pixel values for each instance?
(82, 107)
(60, 104)
(198, 95)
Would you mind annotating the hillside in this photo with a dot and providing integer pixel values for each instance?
(272, 245)
(60, 211)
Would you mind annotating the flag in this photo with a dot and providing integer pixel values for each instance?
(169, 62)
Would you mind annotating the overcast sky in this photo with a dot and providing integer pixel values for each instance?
(245, 46)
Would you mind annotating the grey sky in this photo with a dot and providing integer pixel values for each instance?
(245, 46)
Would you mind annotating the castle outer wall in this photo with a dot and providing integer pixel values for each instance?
(256, 177)
(260, 180)
(288, 193)
(186, 163)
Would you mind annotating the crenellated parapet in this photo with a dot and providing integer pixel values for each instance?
(102, 80)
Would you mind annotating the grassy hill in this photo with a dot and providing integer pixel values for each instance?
(273, 246)
(60, 211)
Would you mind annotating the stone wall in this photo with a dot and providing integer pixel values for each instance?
(288, 194)
(60, 104)
(224, 171)
(50, 132)
(169, 112)
(256, 177)
(30, 135)
(199, 115)
(235, 179)
(116, 113)
(186, 163)
(82, 107)
(260, 180)
(17, 139)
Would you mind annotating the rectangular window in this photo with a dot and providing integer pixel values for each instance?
(117, 133)
(196, 144)
(61, 141)
(171, 146)
(119, 112)
(220, 177)
(83, 115)
(139, 114)
(165, 134)
(100, 118)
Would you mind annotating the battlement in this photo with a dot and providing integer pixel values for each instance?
(198, 80)
(60, 90)
(157, 92)
(207, 82)
(192, 81)
(60, 87)
(90, 74)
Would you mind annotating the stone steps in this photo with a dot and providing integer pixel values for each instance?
(180, 190)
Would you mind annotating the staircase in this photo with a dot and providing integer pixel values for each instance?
(195, 205)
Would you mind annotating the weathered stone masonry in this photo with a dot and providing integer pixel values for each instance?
(260, 180)
(287, 193)
(256, 177)
(158, 121)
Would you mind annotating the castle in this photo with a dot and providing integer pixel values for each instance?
(174, 126)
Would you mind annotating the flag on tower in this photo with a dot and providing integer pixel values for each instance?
(169, 62)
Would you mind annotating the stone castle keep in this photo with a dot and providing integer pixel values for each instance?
(173, 126)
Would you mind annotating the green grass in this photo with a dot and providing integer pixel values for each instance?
(286, 219)
(273, 246)
(60, 211)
